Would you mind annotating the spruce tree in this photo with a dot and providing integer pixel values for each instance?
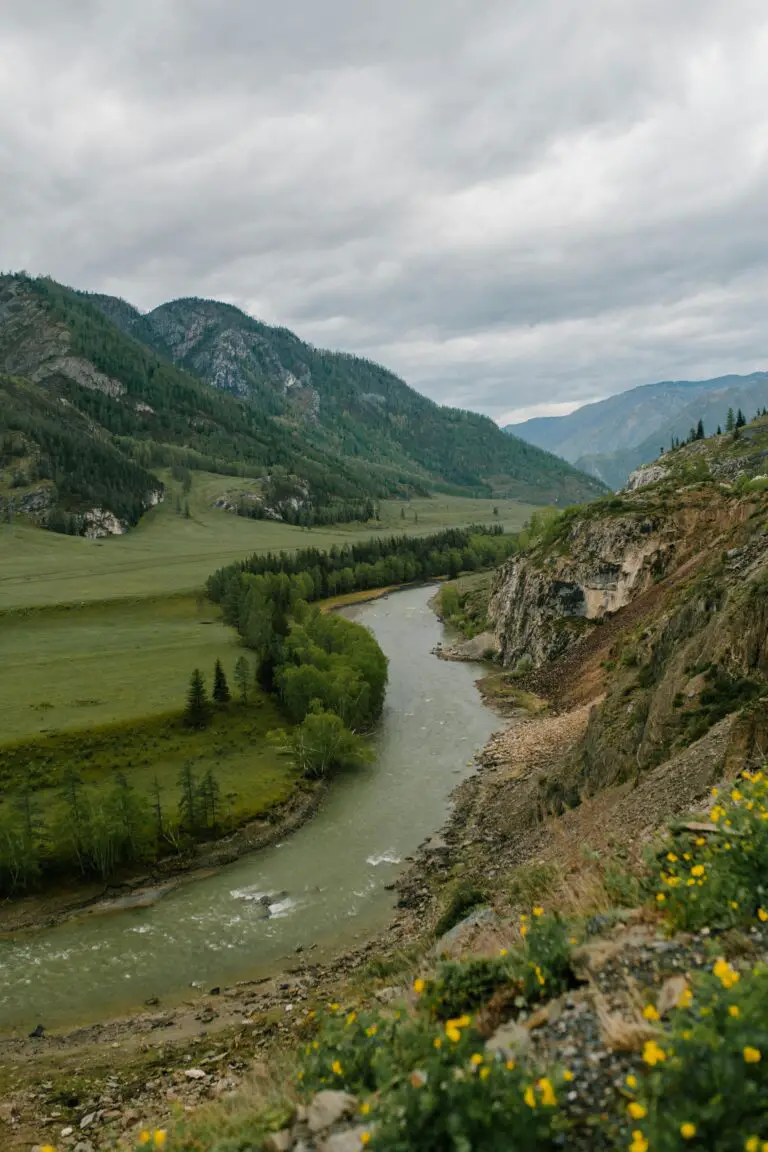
(209, 796)
(188, 801)
(243, 677)
(700, 430)
(730, 421)
(220, 687)
(198, 711)
(740, 419)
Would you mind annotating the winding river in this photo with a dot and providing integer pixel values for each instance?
(323, 886)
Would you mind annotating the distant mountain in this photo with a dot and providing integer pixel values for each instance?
(612, 437)
(95, 396)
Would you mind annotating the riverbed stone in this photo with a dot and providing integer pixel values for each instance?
(279, 1141)
(348, 1141)
(456, 939)
(328, 1108)
(511, 1040)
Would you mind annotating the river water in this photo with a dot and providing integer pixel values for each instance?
(325, 883)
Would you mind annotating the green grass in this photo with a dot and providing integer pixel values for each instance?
(167, 553)
(252, 774)
(66, 668)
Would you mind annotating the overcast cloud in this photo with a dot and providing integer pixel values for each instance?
(518, 205)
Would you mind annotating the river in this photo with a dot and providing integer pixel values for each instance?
(325, 883)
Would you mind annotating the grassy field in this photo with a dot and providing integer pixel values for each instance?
(168, 553)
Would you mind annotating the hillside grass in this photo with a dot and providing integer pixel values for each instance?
(168, 554)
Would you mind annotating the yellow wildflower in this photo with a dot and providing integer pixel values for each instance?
(637, 1111)
(334, 1007)
(639, 1142)
(452, 1033)
(437, 1042)
(698, 870)
(548, 1097)
(365, 1108)
(540, 976)
(47, 1148)
(752, 1055)
(160, 1138)
(685, 998)
(727, 975)
(752, 1144)
(699, 841)
(671, 857)
(736, 796)
(733, 1010)
(567, 1075)
(144, 1136)
(529, 1097)
(365, 1137)
(716, 813)
(336, 1068)
(351, 1019)
(475, 1059)
(673, 881)
(762, 915)
(652, 1053)
(510, 1065)
(631, 1081)
(419, 985)
(650, 1013)
(523, 930)
(715, 793)
(485, 1073)
(371, 1030)
(538, 910)
(503, 952)
(688, 1130)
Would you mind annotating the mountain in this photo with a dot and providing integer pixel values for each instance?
(638, 423)
(95, 396)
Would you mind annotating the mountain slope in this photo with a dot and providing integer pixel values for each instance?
(345, 404)
(636, 424)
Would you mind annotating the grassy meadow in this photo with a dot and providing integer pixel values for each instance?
(98, 639)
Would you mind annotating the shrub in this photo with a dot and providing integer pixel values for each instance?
(707, 1080)
(430, 1086)
(719, 878)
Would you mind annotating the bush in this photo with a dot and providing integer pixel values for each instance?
(322, 743)
(461, 901)
(719, 878)
(430, 1087)
(707, 1080)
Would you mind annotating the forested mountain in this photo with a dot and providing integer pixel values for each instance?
(612, 437)
(343, 403)
(92, 402)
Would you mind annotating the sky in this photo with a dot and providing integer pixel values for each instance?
(520, 207)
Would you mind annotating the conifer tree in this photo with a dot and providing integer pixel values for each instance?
(220, 687)
(188, 801)
(740, 419)
(198, 711)
(209, 796)
(700, 430)
(730, 421)
(243, 677)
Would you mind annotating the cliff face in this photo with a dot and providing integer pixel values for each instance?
(543, 602)
(659, 600)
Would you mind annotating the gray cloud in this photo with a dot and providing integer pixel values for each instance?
(514, 205)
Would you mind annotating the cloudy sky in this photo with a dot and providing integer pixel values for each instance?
(518, 206)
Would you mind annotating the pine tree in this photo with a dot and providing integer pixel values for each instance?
(740, 419)
(220, 687)
(188, 801)
(700, 430)
(719, 431)
(209, 796)
(157, 808)
(243, 677)
(730, 421)
(198, 711)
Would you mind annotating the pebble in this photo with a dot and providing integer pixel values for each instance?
(328, 1108)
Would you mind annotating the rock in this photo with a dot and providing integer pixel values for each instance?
(456, 939)
(38, 1033)
(349, 1141)
(387, 995)
(279, 1141)
(88, 1120)
(215, 991)
(195, 1074)
(328, 1108)
(511, 1040)
(671, 991)
(152, 1002)
(66, 1132)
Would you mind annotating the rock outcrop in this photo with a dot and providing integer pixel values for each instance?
(541, 602)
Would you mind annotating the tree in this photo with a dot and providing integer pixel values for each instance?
(157, 808)
(76, 827)
(730, 421)
(243, 677)
(209, 795)
(198, 711)
(740, 419)
(188, 801)
(700, 430)
(323, 742)
(129, 817)
(220, 687)
(719, 431)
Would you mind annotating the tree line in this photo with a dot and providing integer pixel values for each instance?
(374, 563)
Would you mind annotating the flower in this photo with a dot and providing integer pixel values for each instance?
(685, 998)
(159, 1138)
(336, 1068)
(752, 1144)
(650, 1013)
(47, 1148)
(736, 796)
(539, 975)
(365, 1137)
(144, 1136)
(510, 1065)
(652, 1053)
(762, 915)
(529, 1097)
(671, 857)
(567, 1075)
(351, 1019)
(503, 952)
(485, 1073)
(639, 1142)
(372, 1029)
(660, 897)
(716, 813)
(752, 1055)
(437, 1042)
(548, 1097)
(698, 870)
(637, 1111)
(687, 1130)
(365, 1108)
(727, 975)
(631, 1081)
(419, 985)
(475, 1059)
(418, 1078)
(538, 910)
(733, 1010)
